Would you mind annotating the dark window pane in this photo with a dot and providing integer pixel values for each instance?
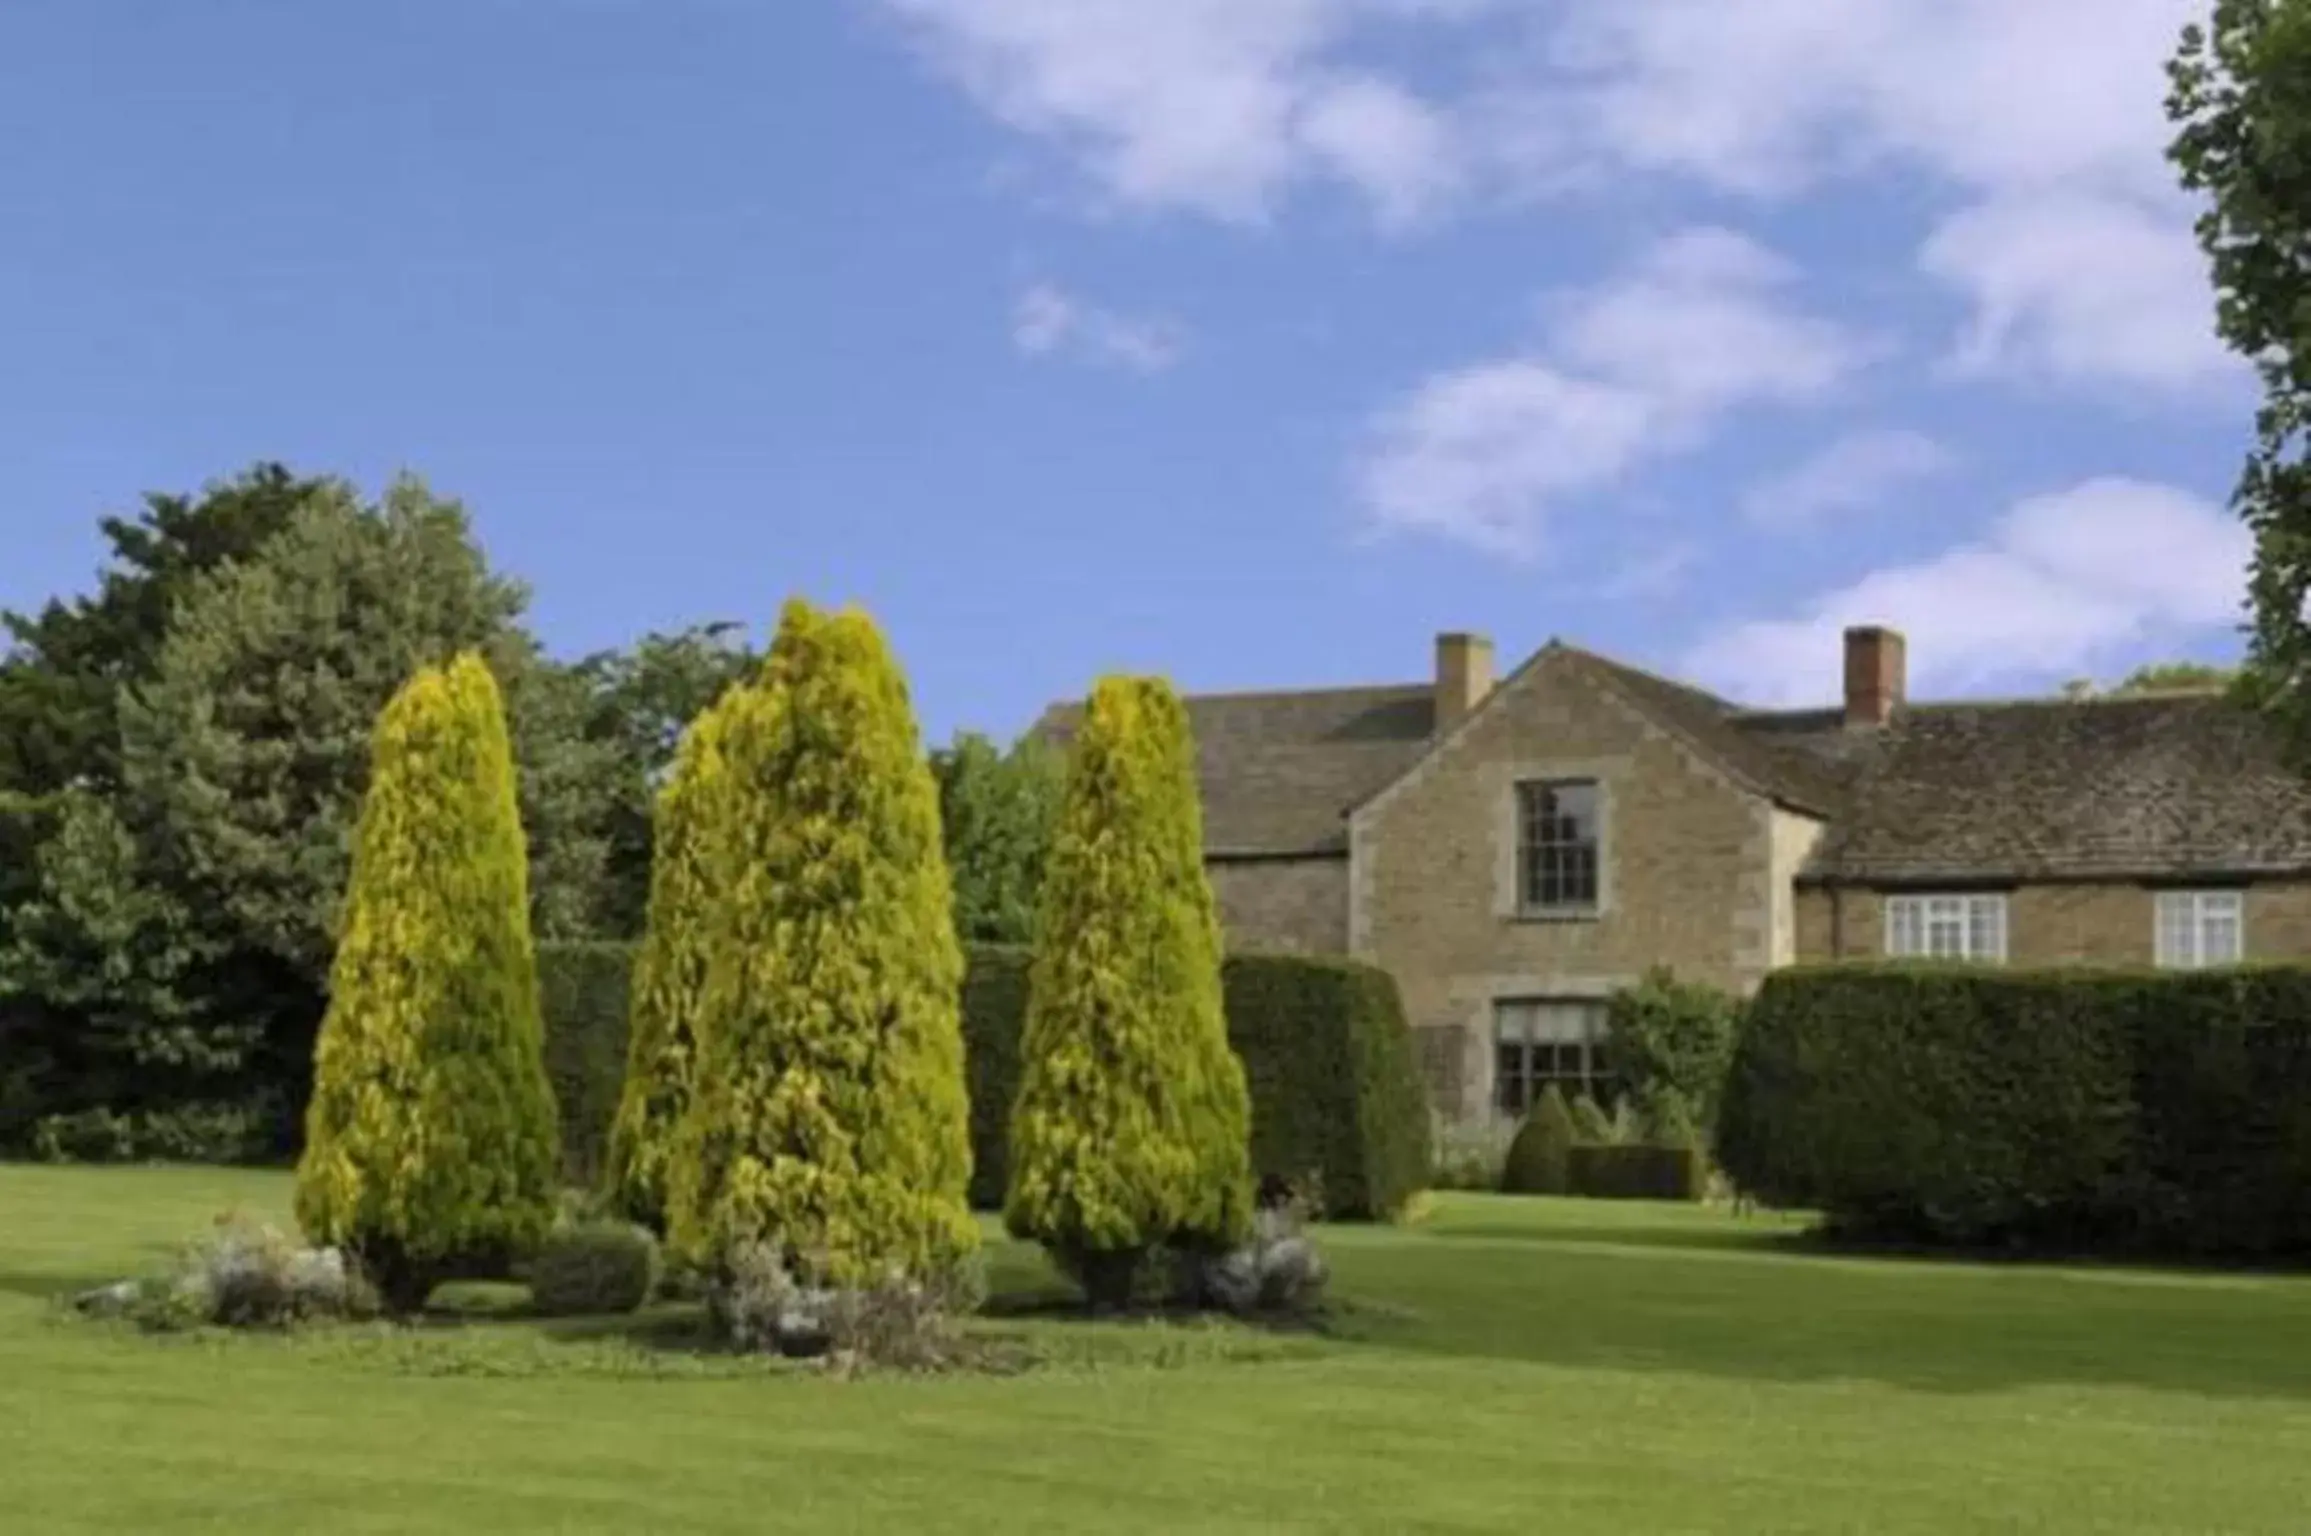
(1557, 844)
(1509, 1078)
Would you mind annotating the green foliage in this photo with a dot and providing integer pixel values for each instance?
(642, 700)
(182, 1133)
(2241, 106)
(1540, 1158)
(1336, 1092)
(828, 1111)
(1132, 1125)
(2158, 1113)
(1638, 1171)
(2177, 677)
(1590, 1122)
(191, 908)
(996, 810)
(1673, 1040)
(61, 679)
(582, 996)
(669, 978)
(994, 1009)
(430, 1138)
(594, 1269)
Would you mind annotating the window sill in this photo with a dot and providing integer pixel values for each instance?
(1557, 914)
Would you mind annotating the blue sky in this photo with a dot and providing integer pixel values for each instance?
(1247, 341)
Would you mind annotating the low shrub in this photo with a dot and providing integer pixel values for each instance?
(1638, 1171)
(188, 1133)
(1590, 1122)
(582, 994)
(594, 1268)
(245, 1274)
(1540, 1158)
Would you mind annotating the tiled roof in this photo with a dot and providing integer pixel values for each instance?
(1280, 770)
(2151, 785)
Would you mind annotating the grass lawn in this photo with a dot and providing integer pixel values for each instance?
(1508, 1365)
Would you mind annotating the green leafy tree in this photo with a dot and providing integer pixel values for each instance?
(430, 1142)
(828, 1114)
(1131, 1126)
(642, 699)
(1540, 1160)
(2241, 105)
(686, 901)
(1673, 1041)
(61, 676)
(997, 810)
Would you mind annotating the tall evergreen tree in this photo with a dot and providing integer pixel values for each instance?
(829, 1112)
(686, 899)
(1131, 1129)
(430, 1137)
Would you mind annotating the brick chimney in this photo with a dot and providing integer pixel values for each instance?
(1877, 674)
(1464, 675)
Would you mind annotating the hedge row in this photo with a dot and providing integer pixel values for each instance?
(1337, 1102)
(2120, 1112)
(583, 988)
(1637, 1171)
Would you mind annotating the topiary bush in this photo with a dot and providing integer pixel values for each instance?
(827, 1112)
(1131, 1129)
(668, 980)
(593, 1269)
(1540, 1158)
(430, 1139)
(582, 1000)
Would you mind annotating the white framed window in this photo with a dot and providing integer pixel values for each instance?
(1970, 926)
(1558, 835)
(1539, 1041)
(2200, 928)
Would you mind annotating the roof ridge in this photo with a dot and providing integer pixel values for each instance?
(1695, 690)
(1744, 714)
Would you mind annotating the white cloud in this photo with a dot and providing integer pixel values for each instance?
(2061, 582)
(1639, 367)
(1048, 321)
(1852, 474)
(2080, 288)
(2072, 244)
(2068, 241)
(1213, 106)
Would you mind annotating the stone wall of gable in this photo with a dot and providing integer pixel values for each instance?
(1689, 865)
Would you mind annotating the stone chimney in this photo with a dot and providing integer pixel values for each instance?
(1877, 674)
(1464, 675)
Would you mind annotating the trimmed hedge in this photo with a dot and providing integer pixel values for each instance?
(583, 989)
(1336, 1091)
(994, 1006)
(2109, 1111)
(1338, 1109)
(1638, 1171)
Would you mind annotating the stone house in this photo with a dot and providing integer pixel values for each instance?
(1515, 850)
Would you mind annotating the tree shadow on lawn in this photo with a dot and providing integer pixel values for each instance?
(1779, 1306)
(58, 1285)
